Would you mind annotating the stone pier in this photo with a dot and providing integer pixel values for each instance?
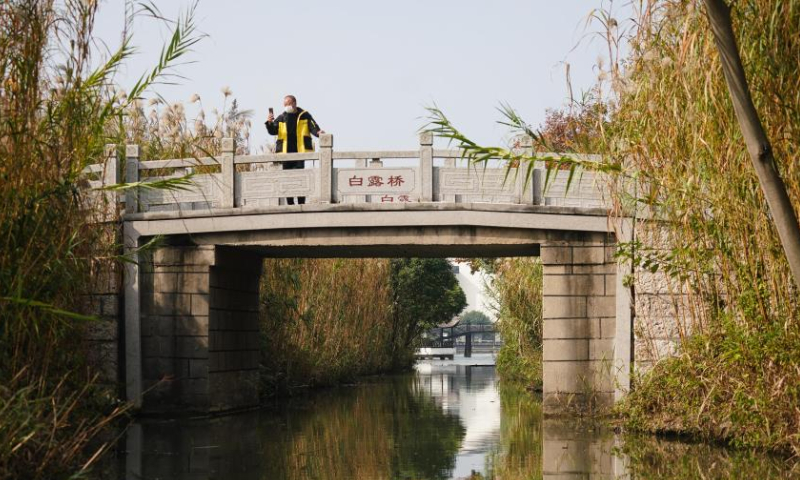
(579, 310)
(199, 327)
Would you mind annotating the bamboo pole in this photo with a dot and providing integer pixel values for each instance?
(758, 146)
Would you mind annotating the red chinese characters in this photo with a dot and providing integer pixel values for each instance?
(380, 183)
(396, 180)
(375, 181)
(356, 181)
(400, 198)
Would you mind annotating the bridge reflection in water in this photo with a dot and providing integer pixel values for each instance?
(448, 422)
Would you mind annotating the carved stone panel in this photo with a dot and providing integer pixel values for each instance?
(263, 188)
(203, 193)
(465, 185)
(584, 190)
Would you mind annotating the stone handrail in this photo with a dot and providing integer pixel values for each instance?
(423, 175)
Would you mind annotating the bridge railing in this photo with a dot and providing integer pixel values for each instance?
(329, 176)
(437, 344)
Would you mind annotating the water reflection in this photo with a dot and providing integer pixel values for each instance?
(444, 422)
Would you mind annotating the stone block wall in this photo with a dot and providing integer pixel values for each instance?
(662, 318)
(199, 329)
(174, 324)
(234, 337)
(579, 311)
(103, 336)
(663, 311)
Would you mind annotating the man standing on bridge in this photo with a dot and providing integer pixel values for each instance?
(294, 128)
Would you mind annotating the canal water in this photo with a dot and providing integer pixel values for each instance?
(447, 420)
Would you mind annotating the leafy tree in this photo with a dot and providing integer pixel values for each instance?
(425, 293)
(475, 317)
(573, 129)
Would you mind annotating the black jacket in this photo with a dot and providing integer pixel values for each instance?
(287, 125)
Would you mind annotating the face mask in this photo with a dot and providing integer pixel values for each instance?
(288, 109)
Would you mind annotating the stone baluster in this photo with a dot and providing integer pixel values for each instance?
(110, 177)
(537, 186)
(325, 168)
(131, 176)
(227, 189)
(426, 166)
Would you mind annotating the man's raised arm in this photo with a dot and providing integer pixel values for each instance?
(272, 124)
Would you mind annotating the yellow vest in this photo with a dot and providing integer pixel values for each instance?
(302, 133)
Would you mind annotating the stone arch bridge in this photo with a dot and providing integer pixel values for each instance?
(191, 305)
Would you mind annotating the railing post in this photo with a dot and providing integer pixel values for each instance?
(426, 166)
(326, 168)
(227, 189)
(110, 177)
(537, 185)
(131, 176)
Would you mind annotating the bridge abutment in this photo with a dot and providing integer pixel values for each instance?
(199, 329)
(579, 324)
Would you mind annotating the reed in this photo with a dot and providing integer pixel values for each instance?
(673, 129)
(516, 293)
(324, 321)
(58, 111)
(328, 321)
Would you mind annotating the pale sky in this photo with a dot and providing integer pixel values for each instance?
(366, 69)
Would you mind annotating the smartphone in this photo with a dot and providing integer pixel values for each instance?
(271, 112)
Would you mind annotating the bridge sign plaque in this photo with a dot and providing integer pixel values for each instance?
(373, 181)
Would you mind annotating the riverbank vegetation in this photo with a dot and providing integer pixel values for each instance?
(517, 294)
(514, 287)
(663, 120)
(59, 110)
(673, 128)
(328, 321)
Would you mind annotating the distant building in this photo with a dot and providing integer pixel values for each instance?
(473, 286)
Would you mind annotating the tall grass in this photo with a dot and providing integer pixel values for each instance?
(673, 129)
(516, 292)
(166, 130)
(57, 112)
(325, 321)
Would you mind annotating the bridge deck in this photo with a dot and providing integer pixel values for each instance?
(370, 230)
